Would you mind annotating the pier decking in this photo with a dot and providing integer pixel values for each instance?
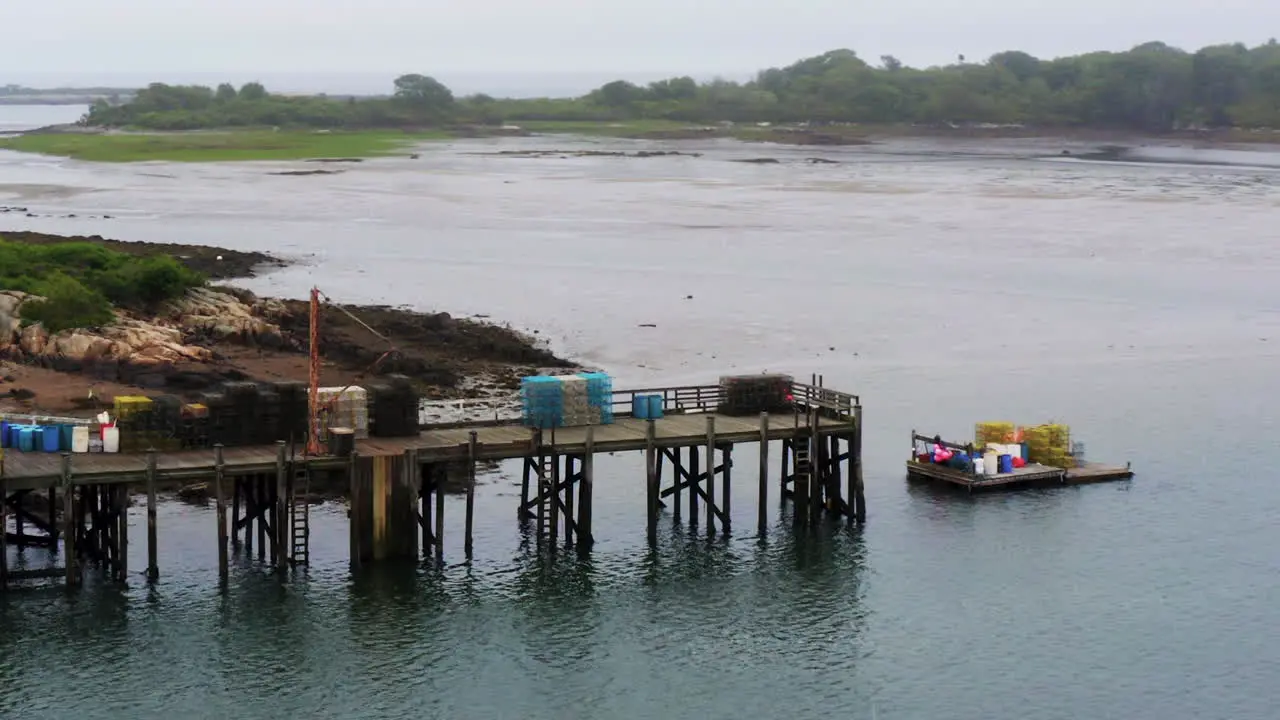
(78, 503)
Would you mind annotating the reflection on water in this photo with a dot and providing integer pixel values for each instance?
(946, 283)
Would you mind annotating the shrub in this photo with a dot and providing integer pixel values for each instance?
(67, 304)
(82, 281)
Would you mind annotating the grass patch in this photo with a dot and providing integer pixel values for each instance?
(219, 146)
(82, 282)
(606, 128)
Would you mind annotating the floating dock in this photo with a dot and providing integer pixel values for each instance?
(1030, 475)
(77, 503)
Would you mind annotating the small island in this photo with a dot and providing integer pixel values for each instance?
(1221, 93)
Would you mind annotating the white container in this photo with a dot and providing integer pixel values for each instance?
(991, 461)
(80, 439)
(979, 467)
(111, 439)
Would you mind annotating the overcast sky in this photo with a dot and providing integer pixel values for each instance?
(499, 41)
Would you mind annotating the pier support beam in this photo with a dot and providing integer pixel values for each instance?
(472, 450)
(153, 548)
(219, 492)
(651, 481)
(69, 523)
(586, 492)
(763, 512)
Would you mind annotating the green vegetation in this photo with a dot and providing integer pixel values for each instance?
(81, 282)
(216, 146)
(1151, 88)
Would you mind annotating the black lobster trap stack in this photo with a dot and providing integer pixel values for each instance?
(743, 395)
(393, 407)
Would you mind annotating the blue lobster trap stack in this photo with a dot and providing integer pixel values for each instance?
(567, 400)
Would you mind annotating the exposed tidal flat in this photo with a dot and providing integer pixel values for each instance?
(945, 281)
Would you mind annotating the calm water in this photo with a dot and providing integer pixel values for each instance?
(945, 283)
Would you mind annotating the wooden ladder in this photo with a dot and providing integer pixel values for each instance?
(546, 488)
(803, 466)
(300, 517)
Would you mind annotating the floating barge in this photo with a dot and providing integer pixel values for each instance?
(1027, 476)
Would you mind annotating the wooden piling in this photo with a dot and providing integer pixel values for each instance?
(153, 552)
(472, 441)
(4, 528)
(356, 530)
(586, 489)
(763, 515)
(694, 470)
(651, 479)
(68, 522)
(122, 507)
(279, 521)
(219, 469)
(570, 475)
(855, 474)
(521, 511)
(711, 475)
(237, 491)
(553, 497)
(817, 471)
(440, 517)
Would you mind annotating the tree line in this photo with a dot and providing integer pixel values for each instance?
(1153, 88)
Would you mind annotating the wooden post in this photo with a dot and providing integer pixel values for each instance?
(817, 471)
(651, 479)
(68, 522)
(221, 509)
(4, 528)
(585, 491)
(263, 493)
(569, 525)
(553, 497)
(153, 552)
(763, 518)
(855, 474)
(524, 490)
(122, 517)
(788, 446)
(237, 490)
(471, 490)
(354, 518)
(693, 470)
(426, 485)
(440, 515)
(711, 475)
(284, 533)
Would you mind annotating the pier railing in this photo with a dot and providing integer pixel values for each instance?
(676, 400)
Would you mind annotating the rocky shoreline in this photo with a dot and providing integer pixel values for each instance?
(221, 333)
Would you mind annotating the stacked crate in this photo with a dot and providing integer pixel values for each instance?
(393, 408)
(743, 395)
(194, 430)
(348, 408)
(541, 402)
(222, 422)
(243, 399)
(293, 411)
(1049, 445)
(999, 433)
(567, 400)
(133, 418)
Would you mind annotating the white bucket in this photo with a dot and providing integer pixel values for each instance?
(979, 467)
(80, 439)
(111, 439)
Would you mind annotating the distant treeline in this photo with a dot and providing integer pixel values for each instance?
(1153, 88)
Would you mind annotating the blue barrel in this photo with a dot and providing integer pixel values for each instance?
(66, 435)
(4, 434)
(1006, 463)
(26, 439)
(640, 406)
(655, 407)
(50, 439)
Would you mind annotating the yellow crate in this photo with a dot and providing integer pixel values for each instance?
(993, 432)
(127, 405)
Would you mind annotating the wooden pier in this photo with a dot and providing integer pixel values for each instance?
(397, 484)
